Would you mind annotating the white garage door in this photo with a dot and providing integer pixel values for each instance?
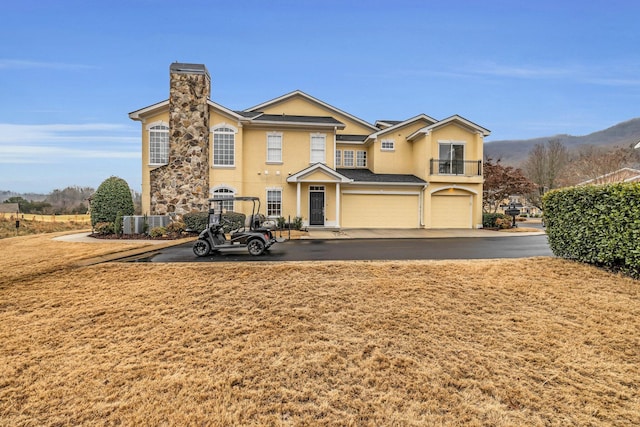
(451, 211)
(380, 211)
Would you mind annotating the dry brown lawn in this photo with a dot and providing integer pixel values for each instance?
(501, 342)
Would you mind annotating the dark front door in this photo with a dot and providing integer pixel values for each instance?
(316, 208)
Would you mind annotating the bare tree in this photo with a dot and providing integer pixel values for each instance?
(591, 162)
(544, 167)
(545, 164)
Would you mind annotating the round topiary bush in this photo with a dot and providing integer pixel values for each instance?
(111, 197)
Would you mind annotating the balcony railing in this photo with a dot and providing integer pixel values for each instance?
(456, 167)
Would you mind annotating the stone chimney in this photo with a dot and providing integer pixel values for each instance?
(182, 186)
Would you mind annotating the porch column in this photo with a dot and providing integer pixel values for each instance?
(298, 200)
(338, 204)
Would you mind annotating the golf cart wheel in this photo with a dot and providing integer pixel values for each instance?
(255, 247)
(201, 248)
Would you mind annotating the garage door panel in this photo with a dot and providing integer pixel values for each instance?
(380, 211)
(451, 211)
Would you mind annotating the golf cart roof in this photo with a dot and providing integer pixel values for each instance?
(239, 198)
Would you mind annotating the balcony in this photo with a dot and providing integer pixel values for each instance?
(456, 167)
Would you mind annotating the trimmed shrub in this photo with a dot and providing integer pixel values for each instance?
(176, 227)
(598, 225)
(111, 197)
(117, 224)
(237, 221)
(196, 221)
(297, 223)
(490, 220)
(157, 232)
(103, 228)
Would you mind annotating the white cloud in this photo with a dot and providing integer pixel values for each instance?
(56, 133)
(43, 154)
(521, 71)
(55, 143)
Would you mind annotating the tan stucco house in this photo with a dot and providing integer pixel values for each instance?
(305, 158)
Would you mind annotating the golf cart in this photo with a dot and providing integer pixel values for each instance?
(251, 235)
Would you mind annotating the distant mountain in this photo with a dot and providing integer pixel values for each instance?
(514, 152)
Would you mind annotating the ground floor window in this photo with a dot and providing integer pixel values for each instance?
(274, 202)
(224, 192)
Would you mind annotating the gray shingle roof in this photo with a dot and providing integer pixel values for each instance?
(351, 138)
(365, 175)
(297, 119)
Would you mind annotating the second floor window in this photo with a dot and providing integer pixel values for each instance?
(387, 145)
(451, 158)
(224, 147)
(274, 147)
(338, 158)
(318, 143)
(159, 144)
(361, 159)
(348, 159)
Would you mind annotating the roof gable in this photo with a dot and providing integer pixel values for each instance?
(421, 117)
(455, 119)
(300, 103)
(318, 172)
(164, 106)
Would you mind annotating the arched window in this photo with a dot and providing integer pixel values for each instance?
(224, 192)
(224, 146)
(158, 143)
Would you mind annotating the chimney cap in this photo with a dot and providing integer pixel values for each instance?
(184, 68)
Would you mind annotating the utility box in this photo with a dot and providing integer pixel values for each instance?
(135, 224)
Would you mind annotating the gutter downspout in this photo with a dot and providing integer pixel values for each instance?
(421, 204)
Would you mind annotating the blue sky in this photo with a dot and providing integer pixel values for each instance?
(71, 71)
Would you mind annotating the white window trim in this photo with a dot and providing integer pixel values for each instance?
(338, 158)
(275, 162)
(388, 141)
(213, 130)
(365, 159)
(231, 191)
(324, 147)
(148, 128)
(452, 142)
(267, 201)
(353, 158)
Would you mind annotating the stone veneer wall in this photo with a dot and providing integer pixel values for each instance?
(182, 186)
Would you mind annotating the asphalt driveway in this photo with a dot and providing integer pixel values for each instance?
(373, 249)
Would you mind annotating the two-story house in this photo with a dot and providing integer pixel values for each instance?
(306, 158)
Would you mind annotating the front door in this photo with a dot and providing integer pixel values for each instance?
(316, 208)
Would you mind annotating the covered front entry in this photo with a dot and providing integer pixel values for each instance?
(317, 195)
(380, 210)
(451, 211)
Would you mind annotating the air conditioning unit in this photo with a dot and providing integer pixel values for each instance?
(134, 224)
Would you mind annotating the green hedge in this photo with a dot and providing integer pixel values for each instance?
(198, 221)
(112, 197)
(598, 225)
(490, 220)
